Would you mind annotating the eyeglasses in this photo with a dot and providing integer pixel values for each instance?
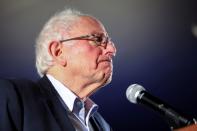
(99, 39)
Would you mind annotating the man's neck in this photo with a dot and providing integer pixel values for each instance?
(79, 86)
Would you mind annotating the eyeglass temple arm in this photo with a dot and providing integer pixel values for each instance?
(75, 38)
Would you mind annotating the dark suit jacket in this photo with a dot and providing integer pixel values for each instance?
(30, 106)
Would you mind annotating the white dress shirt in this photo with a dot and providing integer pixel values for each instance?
(80, 111)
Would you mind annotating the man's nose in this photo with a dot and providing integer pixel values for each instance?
(110, 49)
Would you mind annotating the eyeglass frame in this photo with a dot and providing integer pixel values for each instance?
(97, 38)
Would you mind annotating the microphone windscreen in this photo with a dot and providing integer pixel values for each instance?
(133, 91)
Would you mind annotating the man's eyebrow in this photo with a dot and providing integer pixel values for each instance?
(98, 33)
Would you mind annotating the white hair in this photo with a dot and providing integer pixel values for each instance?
(53, 30)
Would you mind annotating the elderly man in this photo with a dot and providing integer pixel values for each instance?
(74, 58)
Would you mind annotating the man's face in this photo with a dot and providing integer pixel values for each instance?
(85, 59)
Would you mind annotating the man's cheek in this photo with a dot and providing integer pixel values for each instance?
(93, 65)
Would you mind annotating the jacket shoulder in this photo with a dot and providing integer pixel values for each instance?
(8, 88)
(11, 110)
(19, 87)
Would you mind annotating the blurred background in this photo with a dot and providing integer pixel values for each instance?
(156, 44)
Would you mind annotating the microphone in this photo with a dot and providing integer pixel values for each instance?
(137, 94)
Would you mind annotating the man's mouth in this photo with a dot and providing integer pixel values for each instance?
(105, 60)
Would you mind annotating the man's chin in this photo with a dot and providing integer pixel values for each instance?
(107, 80)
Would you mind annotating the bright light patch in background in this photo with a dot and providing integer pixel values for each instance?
(194, 30)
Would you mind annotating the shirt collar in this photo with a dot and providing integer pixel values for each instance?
(67, 96)
(70, 98)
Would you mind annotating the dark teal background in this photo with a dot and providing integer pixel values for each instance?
(156, 47)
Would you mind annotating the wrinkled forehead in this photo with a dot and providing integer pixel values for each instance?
(88, 25)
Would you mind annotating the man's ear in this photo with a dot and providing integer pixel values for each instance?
(56, 52)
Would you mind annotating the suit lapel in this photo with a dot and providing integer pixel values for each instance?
(94, 124)
(53, 104)
(98, 123)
